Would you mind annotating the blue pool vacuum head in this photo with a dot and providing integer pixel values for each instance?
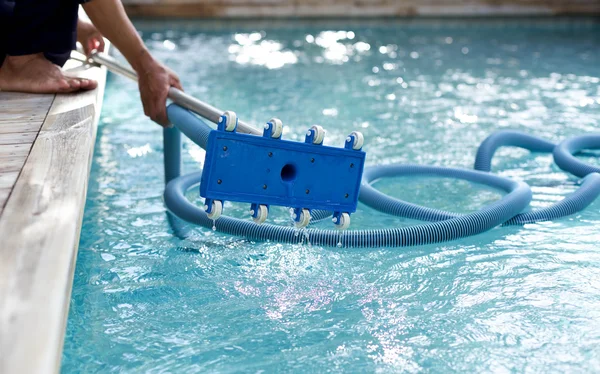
(267, 170)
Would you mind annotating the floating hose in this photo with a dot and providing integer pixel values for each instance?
(573, 203)
(564, 151)
(517, 199)
(387, 204)
(506, 138)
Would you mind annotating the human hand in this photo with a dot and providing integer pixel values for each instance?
(90, 38)
(154, 80)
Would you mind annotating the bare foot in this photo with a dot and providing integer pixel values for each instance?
(35, 74)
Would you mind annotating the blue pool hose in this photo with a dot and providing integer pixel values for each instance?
(573, 203)
(507, 138)
(564, 151)
(445, 226)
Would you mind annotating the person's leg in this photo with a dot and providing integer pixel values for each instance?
(60, 39)
(43, 33)
(6, 9)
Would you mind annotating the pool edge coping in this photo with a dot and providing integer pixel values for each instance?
(40, 228)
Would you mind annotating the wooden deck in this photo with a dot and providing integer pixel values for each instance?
(46, 149)
(21, 117)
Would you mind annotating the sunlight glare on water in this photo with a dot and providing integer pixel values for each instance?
(147, 298)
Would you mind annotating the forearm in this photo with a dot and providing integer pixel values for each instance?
(110, 19)
(154, 79)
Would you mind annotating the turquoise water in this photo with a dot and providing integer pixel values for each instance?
(516, 299)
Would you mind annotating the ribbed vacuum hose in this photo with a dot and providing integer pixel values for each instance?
(507, 138)
(387, 204)
(517, 199)
(573, 203)
(564, 151)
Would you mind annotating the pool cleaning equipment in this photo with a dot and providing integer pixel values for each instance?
(252, 161)
(268, 171)
(517, 198)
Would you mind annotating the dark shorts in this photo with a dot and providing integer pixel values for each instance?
(38, 26)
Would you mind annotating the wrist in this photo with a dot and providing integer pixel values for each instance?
(142, 61)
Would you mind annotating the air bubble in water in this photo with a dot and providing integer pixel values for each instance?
(306, 236)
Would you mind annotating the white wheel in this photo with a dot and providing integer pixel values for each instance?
(231, 120)
(217, 210)
(261, 215)
(304, 219)
(344, 222)
(277, 128)
(359, 140)
(319, 134)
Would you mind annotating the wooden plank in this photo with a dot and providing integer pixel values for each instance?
(39, 231)
(17, 138)
(12, 164)
(4, 192)
(24, 114)
(8, 179)
(20, 105)
(10, 151)
(20, 96)
(27, 106)
(8, 127)
(25, 110)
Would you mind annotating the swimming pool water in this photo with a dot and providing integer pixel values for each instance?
(147, 298)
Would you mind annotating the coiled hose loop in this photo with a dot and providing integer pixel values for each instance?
(508, 138)
(517, 199)
(386, 204)
(573, 203)
(564, 151)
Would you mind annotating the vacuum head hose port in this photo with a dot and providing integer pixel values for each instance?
(288, 173)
